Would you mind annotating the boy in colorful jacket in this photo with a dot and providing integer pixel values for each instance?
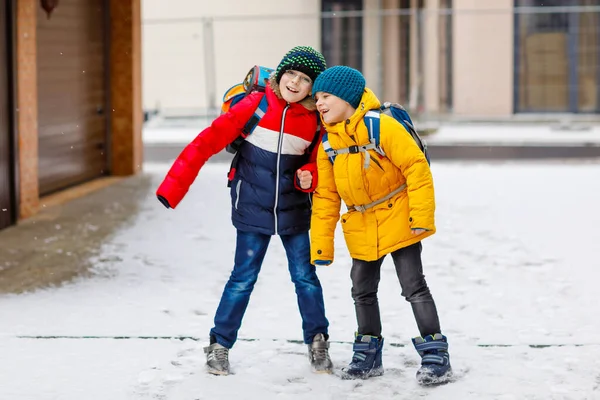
(269, 196)
(390, 201)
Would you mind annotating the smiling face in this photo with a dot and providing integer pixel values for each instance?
(294, 86)
(332, 108)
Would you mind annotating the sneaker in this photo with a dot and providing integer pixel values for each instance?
(217, 359)
(435, 360)
(318, 354)
(367, 358)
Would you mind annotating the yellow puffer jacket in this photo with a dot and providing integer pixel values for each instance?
(387, 226)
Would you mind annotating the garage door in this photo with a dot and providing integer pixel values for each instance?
(71, 94)
(6, 185)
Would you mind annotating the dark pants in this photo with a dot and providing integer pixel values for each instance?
(365, 282)
(249, 255)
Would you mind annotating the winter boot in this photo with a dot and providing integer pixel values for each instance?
(366, 360)
(435, 360)
(318, 354)
(217, 359)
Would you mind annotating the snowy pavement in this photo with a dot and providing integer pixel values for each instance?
(513, 269)
(182, 131)
(165, 138)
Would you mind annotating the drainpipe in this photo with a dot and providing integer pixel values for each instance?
(380, 48)
(209, 66)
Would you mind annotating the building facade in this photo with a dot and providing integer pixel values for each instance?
(193, 51)
(456, 58)
(473, 59)
(70, 104)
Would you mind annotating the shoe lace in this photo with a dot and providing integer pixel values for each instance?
(321, 354)
(320, 349)
(221, 354)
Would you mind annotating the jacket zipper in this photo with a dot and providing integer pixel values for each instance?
(279, 146)
(237, 193)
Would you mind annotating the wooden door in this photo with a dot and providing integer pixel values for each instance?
(72, 77)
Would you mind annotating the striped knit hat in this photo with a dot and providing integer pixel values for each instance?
(304, 59)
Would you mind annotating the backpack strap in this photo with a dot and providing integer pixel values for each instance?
(331, 153)
(327, 147)
(260, 112)
(372, 121)
(252, 123)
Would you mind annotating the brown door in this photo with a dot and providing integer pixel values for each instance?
(71, 94)
(7, 211)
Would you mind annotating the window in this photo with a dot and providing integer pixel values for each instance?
(557, 56)
(341, 36)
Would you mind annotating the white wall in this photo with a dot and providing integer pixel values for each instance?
(173, 58)
(483, 57)
(372, 45)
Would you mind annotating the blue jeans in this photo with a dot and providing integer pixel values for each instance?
(249, 255)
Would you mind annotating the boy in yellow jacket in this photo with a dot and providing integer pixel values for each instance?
(388, 190)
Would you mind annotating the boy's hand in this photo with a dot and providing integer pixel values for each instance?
(304, 179)
(418, 231)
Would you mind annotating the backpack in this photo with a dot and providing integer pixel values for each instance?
(371, 120)
(255, 81)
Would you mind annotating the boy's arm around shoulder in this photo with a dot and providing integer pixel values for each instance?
(325, 212)
(223, 130)
(403, 151)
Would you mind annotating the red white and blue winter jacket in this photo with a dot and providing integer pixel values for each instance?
(265, 196)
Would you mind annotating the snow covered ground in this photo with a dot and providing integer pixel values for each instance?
(513, 268)
(515, 135)
(182, 131)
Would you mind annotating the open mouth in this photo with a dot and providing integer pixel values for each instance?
(292, 89)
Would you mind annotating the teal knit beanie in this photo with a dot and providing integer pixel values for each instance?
(304, 59)
(344, 82)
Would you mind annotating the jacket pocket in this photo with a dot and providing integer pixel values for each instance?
(354, 230)
(360, 233)
(238, 189)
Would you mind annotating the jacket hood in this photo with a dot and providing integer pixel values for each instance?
(308, 102)
(349, 127)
